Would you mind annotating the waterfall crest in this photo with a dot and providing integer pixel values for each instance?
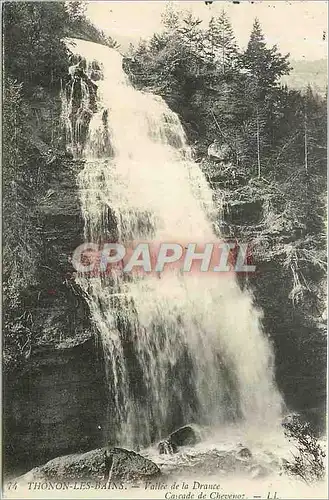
(178, 349)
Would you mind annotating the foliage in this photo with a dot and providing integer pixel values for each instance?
(308, 464)
(222, 44)
(265, 65)
(20, 241)
(34, 51)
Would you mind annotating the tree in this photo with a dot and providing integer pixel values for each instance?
(264, 64)
(170, 18)
(221, 42)
(35, 53)
(21, 242)
(173, 64)
(263, 68)
(76, 9)
(191, 34)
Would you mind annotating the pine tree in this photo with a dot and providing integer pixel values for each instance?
(263, 68)
(76, 9)
(191, 34)
(221, 44)
(170, 19)
(33, 39)
(264, 64)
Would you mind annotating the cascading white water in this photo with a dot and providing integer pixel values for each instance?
(178, 349)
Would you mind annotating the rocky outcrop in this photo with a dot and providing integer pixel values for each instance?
(60, 312)
(55, 399)
(244, 453)
(125, 466)
(57, 402)
(165, 447)
(79, 102)
(56, 406)
(184, 436)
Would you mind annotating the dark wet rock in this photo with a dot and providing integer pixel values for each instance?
(118, 463)
(244, 453)
(184, 436)
(165, 447)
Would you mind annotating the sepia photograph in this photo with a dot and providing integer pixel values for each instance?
(164, 249)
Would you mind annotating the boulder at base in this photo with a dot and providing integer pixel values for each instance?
(244, 453)
(184, 436)
(126, 466)
(165, 447)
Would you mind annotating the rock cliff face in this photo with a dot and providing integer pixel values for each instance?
(57, 402)
(57, 406)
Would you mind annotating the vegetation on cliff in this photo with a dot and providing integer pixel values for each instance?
(36, 63)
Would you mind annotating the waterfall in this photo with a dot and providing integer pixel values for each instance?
(178, 348)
